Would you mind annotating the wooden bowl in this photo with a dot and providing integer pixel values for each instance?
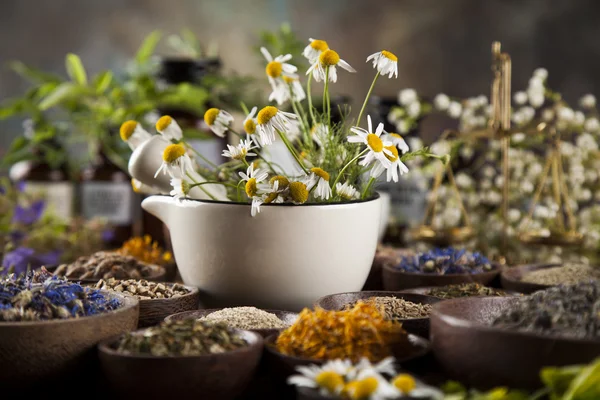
(154, 311)
(416, 326)
(286, 316)
(53, 351)
(385, 255)
(158, 275)
(396, 280)
(476, 354)
(212, 376)
(284, 366)
(425, 291)
(511, 278)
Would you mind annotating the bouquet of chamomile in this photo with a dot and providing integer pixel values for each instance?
(333, 161)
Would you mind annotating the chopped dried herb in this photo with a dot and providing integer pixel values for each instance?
(464, 290)
(361, 331)
(395, 308)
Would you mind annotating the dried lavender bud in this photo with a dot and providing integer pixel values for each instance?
(39, 295)
(181, 338)
(446, 261)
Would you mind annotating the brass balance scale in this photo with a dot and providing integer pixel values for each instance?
(564, 234)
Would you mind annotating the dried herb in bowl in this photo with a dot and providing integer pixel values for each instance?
(361, 331)
(395, 308)
(39, 296)
(143, 289)
(470, 289)
(567, 274)
(246, 318)
(445, 262)
(186, 337)
(105, 265)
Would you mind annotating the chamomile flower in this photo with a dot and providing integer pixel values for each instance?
(378, 148)
(169, 128)
(314, 50)
(385, 62)
(408, 386)
(346, 191)
(298, 192)
(328, 378)
(240, 151)
(331, 59)
(320, 134)
(295, 90)
(269, 120)
(175, 162)
(396, 168)
(397, 141)
(133, 133)
(320, 178)
(253, 177)
(256, 203)
(277, 68)
(371, 386)
(181, 188)
(218, 121)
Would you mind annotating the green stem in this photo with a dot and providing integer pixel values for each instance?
(362, 110)
(201, 188)
(368, 187)
(305, 135)
(210, 182)
(309, 97)
(291, 149)
(244, 108)
(206, 160)
(326, 105)
(337, 178)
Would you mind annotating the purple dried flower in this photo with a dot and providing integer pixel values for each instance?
(19, 259)
(20, 186)
(108, 235)
(29, 215)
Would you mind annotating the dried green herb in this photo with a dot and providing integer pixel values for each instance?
(143, 289)
(464, 290)
(395, 308)
(182, 338)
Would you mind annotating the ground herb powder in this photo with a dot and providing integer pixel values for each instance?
(246, 318)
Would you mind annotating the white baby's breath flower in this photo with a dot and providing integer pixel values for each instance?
(441, 102)
(385, 62)
(397, 141)
(269, 121)
(588, 101)
(587, 142)
(463, 180)
(218, 121)
(481, 100)
(314, 50)
(591, 125)
(566, 114)
(578, 118)
(541, 73)
(320, 178)
(181, 188)
(175, 162)
(377, 147)
(331, 59)
(520, 98)
(454, 109)
(403, 126)
(407, 96)
(240, 151)
(134, 134)
(346, 191)
(169, 128)
(536, 99)
(518, 137)
(547, 115)
(414, 109)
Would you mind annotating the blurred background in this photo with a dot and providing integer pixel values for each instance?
(443, 46)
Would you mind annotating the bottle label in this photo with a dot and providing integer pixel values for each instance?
(59, 196)
(108, 200)
(408, 201)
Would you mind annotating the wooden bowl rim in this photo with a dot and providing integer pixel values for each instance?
(384, 293)
(129, 302)
(257, 343)
(416, 341)
(496, 268)
(461, 322)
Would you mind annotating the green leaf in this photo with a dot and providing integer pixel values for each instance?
(12, 108)
(32, 74)
(102, 81)
(63, 92)
(586, 386)
(148, 46)
(75, 69)
(559, 379)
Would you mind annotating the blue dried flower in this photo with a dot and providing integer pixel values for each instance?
(446, 261)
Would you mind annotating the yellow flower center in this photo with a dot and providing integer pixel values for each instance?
(288, 79)
(374, 142)
(271, 197)
(394, 152)
(173, 152)
(163, 122)
(210, 116)
(320, 45)
(404, 383)
(329, 58)
(389, 55)
(127, 129)
(329, 380)
(274, 69)
(395, 135)
(283, 181)
(320, 173)
(362, 389)
(135, 186)
(265, 115)
(298, 192)
(251, 188)
(250, 126)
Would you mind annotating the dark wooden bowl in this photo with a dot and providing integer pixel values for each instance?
(416, 326)
(425, 291)
(385, 255)
(213, 376)
(154, 311)
(511, 278)
(286, 316)
(49, 352)
(158, 275)
(476, 354)
(396, 280)
(283, 366)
